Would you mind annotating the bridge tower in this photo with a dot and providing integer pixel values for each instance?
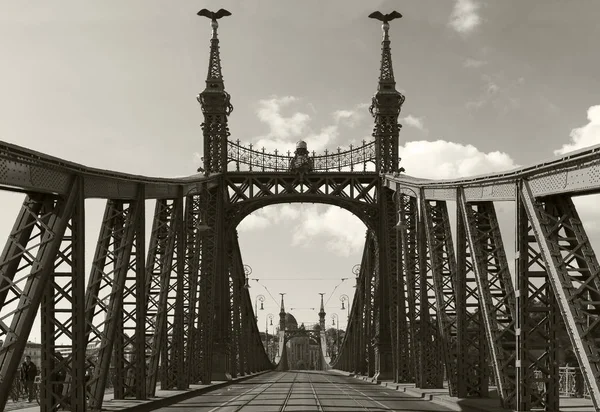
(322, 314)
(216, 107)
(215, 318)
(282, 315)
(386, 105)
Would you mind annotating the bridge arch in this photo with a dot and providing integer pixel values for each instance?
(366, 214)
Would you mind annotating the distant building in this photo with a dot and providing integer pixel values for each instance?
(303, 352)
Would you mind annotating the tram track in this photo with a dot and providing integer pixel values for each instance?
(353, 398)
(240, 407)
(319, 406)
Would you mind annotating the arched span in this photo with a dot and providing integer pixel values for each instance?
(237, 213)
(354, 192)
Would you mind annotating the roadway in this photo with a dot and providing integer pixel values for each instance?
(303, 391)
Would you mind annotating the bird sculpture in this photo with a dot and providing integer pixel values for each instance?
(385, 17)
(214, 16)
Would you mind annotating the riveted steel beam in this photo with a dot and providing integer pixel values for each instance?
(407, 224)
(443, 269)
(105, 296)
(496, 293)
(573, 273)
(159, 267)
(23, 294)
(473, 365)
(536, 364)
(430, 364)
(63, 323)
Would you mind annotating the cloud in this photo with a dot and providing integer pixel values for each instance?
(473, 63)
(340, 231)
(464, 18)
(497, 92)
(416, 122)
(446, 160)
(584, 136)
(265, 217)
(285, 131)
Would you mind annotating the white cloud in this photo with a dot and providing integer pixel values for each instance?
(265, 217)
(342, 231)
(464, 18)
(446, 160)
(416, 122)
(473, 63)
(285, 131)
(584, 136)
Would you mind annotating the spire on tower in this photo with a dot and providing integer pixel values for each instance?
(322, 313)
(215, 103)
(386, 103)
(282, 314)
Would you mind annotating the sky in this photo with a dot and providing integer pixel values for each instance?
(489, 86)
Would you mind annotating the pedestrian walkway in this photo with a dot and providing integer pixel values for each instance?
(491, 404)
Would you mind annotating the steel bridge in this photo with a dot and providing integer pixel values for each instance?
(428, 306)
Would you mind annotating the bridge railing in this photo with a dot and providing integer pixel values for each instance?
(249, 159)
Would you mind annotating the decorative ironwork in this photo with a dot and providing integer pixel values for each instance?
(249, 159)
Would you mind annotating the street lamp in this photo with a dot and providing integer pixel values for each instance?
(247, 272)
(345, 298)
(269, 318)
(262, 299)
(337, 332)
(356, 272)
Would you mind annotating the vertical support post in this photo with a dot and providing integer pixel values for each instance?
(496, 293)
(50, 218)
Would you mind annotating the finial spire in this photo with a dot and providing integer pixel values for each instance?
(386, 73)
(322, 313)
(386, 104)
(216, 104)
(214, 64)
(282, 314)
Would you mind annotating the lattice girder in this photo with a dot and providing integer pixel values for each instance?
(158, 280)
(39, 227)
(430, 364)
(408, 218)
(193, 249)
(496, 292)
(536, 364)
(119, 232)
(574, 274)
(63, 321)
(443, 268)
(473, 364)
(353, 191)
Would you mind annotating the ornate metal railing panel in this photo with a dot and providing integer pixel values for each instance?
(357, 159)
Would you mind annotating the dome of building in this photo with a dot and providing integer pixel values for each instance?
(301, 145)
(290, 322)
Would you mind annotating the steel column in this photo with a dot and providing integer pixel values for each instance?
(473, 364)
(63, 321)
(573, 273)
(50, 219)
(496, 293)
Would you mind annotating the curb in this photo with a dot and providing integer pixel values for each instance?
(437, 398)
(155, 403)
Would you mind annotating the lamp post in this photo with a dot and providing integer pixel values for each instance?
(345, 298)
(269, 318)
(337, 332)
(247, 272)
(356, 273)
(262, 299)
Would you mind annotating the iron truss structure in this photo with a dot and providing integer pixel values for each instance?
(429, 304)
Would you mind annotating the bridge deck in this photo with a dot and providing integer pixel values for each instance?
(303, 391)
